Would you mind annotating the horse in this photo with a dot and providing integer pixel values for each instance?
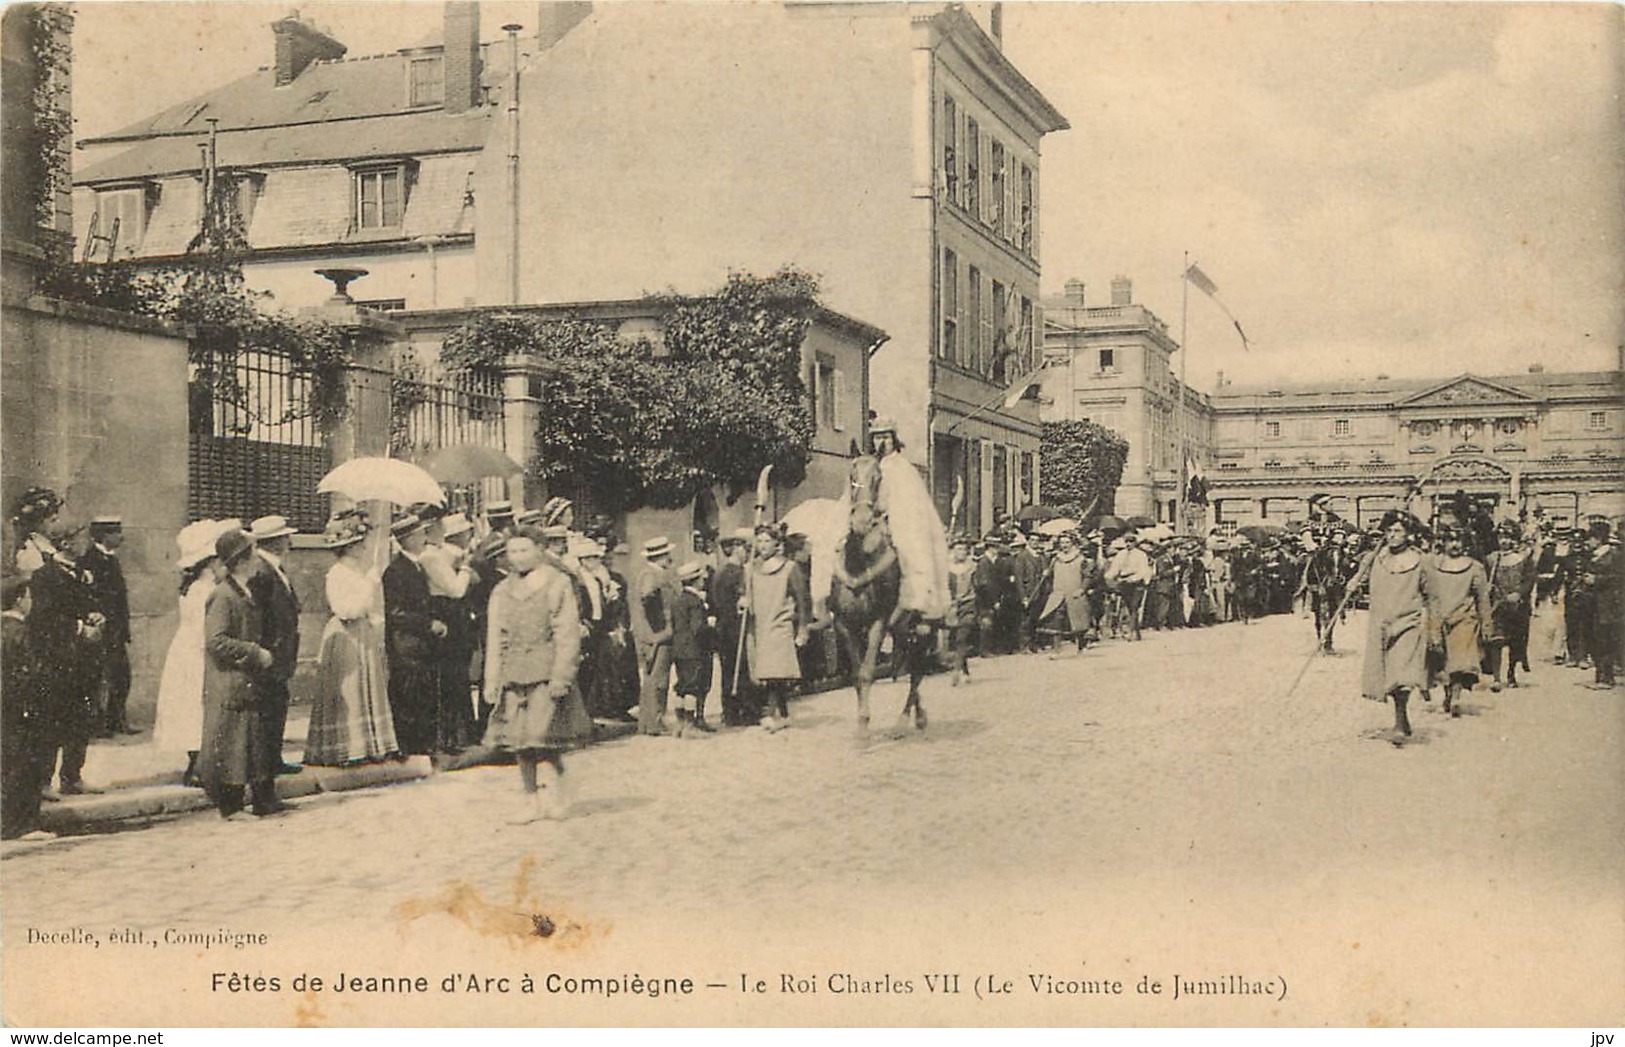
(865, 592)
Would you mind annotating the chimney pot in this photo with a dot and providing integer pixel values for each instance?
(297, 45)
(1122, 291)
(1074, 292)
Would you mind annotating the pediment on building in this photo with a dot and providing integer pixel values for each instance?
(1466, 389)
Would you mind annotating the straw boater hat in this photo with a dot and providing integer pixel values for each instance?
(554, 509)
(196, 543)
(106, 522)
(691, 571)
(655, 547)
(882, 425)
(553, 532)
(585, 548)
(499, 511)
(267, 527)
(457, 524)
(406, 525)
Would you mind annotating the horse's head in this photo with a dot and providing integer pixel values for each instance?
(865, 480)
(862, 519)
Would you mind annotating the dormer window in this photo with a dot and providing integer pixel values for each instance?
(380, 196)
(427, 81)
(120, 221)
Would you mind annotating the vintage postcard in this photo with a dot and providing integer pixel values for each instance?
(813, 514)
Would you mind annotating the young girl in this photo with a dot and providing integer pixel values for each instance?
(532, 652)
(778, 624)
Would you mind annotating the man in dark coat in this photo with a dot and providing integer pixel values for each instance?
(1029, 572)
(279, 613)
(726, 590)
(1578, 601)
(411, 638)
(237, 748)
(1326, 577)
(1607, 581)
(66, 629)
(113, 600)
(651, 608)
(23, 705)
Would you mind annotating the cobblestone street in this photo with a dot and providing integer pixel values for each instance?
(1158, 808)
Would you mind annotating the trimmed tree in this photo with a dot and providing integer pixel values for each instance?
(1081, 464)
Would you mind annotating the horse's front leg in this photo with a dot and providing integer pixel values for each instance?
(866, 671)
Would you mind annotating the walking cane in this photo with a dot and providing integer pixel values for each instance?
(744, 619)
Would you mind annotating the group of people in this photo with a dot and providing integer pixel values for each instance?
(1448, 610)
(66, 652)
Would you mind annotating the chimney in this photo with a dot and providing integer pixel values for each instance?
(1074, 293)
(461, 38)
(1122, 291)
(554, 18)
(995, 24)
(298, 45)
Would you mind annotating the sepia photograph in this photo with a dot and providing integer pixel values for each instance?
(812, 513)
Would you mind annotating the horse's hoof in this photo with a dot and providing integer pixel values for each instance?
(919, 719)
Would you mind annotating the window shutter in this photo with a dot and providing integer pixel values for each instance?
(839, 405)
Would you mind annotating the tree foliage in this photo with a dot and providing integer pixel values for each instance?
(1081, 464)
(722, 396)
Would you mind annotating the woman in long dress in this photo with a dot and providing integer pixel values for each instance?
(1397, 634)
(350, 720)
(1459, 610)
(179, 724)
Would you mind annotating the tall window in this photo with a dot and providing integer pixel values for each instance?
(949, 347)
(121, 222)
(950, 148)
(998, 191)
(827, 390)
(1597, 420)
(1003, 338)
(1108, 361)
(380, 197)
(1024, 236)
(973, 168)
(973, 348)
(1028, 344)
(428, 81)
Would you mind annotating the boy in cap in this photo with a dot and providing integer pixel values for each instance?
(725, 592)
(693, 639)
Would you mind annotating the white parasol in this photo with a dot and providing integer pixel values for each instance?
(383, 479)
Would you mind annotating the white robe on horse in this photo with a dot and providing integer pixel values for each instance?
(917, 534)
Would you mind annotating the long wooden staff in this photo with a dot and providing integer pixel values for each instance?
(744, 619)
(1348, 594)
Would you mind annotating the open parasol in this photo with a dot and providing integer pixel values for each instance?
(382, 479)
(467, 463)
(1036, 513)
(1140, 521)
(1058, 526)
(1111, 523)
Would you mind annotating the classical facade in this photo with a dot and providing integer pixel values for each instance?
(1518, 442)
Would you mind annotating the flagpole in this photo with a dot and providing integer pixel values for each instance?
(1179, 405)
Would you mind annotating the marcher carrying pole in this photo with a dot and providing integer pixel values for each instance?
(744, 618)
(1354, 587)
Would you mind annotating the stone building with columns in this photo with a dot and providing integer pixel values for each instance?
(1546, 440)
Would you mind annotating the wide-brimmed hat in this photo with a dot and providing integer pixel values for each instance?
(427, 511)
(691, 571)
(195, 542)
(529, 518)
(583, 548)
(106, 522)
(656, 547)
(344, 530)
(554, 508)
(36, 504)
(883, 425)
(457, 524)
(958, 539)
(498, 510)
(232, 545)
(272, 526)
(406, 525)
(553, 532)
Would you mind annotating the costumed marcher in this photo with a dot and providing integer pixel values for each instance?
(237, 753)
(412, 636)
(350, 720)
(693, 643)
(65, 631)
(178, 725)
(962, 613)
(532, 653)
(1326, 578)
(1396, 664)
(273, 591)
(651, 624)
(912, 523)
(726, 592)
(113, 600)
(1511, 573)
(777, 628)
(1067, 613)
(1459, 614)
(22, 713)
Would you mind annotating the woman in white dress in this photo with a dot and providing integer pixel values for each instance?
(179, 726)
(350, 721)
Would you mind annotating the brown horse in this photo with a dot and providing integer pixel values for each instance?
(864, 597)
